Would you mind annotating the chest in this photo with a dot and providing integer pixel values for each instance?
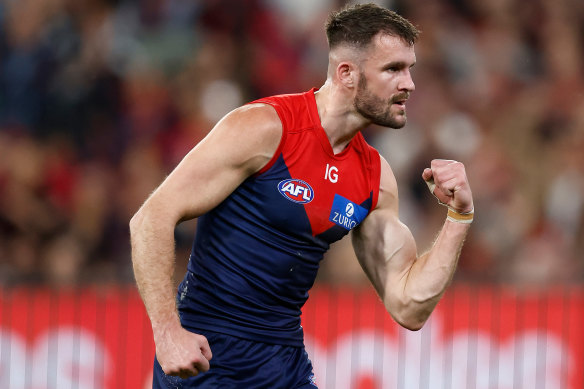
(310, 193)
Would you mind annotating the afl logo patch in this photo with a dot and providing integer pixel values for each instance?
(295, 190)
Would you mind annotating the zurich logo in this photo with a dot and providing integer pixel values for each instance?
(346, 213)
(350, 209)
(295, 190)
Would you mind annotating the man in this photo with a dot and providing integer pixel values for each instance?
(273, 184)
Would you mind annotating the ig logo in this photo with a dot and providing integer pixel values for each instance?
(331, 173)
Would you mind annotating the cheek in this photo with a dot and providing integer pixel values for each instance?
(385, 85)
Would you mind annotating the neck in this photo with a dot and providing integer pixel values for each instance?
(337, 114)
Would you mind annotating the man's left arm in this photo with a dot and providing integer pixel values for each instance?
(411, 285)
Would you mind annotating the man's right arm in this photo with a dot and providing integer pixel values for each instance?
(239, 145)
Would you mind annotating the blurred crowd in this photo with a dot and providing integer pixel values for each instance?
(100, 99)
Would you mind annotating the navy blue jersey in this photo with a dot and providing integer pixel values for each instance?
(256, 255)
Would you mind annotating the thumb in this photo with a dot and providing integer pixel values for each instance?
(428, 177)
(427, 174)
(442, 197)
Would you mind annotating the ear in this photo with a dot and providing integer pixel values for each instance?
(347, 74)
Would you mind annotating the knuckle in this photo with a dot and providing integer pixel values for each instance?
(169, 371)
(177, 370)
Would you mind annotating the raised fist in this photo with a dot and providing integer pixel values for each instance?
(447, 181)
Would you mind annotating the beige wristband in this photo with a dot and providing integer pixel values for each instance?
(458, 217)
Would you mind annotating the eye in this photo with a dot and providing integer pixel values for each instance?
(394, 67)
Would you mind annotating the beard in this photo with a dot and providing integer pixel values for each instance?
(376, 109)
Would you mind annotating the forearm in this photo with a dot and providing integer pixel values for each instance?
(429, 275)
(153, 254)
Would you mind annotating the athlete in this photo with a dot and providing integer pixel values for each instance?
(273, 185)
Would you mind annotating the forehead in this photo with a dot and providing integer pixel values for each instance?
(390, 48)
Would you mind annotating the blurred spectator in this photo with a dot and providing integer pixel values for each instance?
(100, 99)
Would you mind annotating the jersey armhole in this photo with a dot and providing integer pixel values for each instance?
(375, 159)
(282, 139)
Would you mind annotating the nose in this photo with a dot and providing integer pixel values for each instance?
(406, 82)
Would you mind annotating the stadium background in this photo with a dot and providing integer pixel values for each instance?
(99, 100)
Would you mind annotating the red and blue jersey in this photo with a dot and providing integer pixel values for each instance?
(256, 255)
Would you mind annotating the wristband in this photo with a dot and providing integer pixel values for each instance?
(453, 216)
(458, 217)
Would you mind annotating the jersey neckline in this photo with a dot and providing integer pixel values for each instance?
(321, 133)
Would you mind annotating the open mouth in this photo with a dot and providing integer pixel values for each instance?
(400, 99)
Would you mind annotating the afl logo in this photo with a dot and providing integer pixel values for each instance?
(295, 190)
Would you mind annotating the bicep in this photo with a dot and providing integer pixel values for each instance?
(239, 145)
(384, 245)
(385, 249)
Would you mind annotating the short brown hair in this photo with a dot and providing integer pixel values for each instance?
(358, 24)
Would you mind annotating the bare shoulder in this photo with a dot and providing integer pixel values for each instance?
(256, 120)
(248, 135)
(388, 191)
(239, 145)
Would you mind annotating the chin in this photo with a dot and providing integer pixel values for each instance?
(396, 122)
(390, 124)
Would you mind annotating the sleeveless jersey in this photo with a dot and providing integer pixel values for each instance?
(256, 255)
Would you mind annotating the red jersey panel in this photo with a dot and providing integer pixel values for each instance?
(352, 174)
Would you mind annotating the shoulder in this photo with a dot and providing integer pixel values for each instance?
(388, 191)
(251, 134)
(253, 118)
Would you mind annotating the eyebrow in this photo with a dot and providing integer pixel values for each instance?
(397, 64)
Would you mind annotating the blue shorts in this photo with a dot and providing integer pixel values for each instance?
(240, 363)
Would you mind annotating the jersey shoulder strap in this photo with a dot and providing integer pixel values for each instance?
(294, 115)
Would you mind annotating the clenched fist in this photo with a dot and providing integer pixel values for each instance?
(182, 353)
(448, 182)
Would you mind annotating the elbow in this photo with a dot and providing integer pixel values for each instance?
(149, 212)
(414, 325)
(410, 315)
(411, 322)
(144, 219)
(151, 219)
